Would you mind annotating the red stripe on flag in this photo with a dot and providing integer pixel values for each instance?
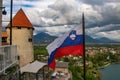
(52, 65)
(65, 51)
(69, 50)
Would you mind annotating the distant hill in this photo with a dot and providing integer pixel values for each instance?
(89, 39)
(106, 40)
(99, 40)
(44, 38)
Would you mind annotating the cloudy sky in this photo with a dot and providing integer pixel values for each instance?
(55, 17)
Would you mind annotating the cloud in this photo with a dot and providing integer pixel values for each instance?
(63, 12)
(34, 17)
(93, 2)
(114, 35)
(107, 23)
(110, 12)
(102, 18)
(55, 30)
(98, 2)
(110, 31)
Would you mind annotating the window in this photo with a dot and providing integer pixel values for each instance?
(28, 28)
(30, 39)
(19, 27)
(4, 39)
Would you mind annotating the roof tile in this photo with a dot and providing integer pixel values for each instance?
(20, 19)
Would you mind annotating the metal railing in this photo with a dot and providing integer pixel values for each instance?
(8, 57)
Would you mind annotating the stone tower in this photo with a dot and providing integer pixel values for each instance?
(22, 36)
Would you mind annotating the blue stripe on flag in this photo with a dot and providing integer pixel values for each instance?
(67, 42)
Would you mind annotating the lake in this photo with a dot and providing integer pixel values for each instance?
(111, 72)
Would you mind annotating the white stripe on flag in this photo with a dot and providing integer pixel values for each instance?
(58, 41)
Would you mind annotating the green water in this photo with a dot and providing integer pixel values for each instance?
(112, 72)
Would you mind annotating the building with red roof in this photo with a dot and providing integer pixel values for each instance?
(22, 36)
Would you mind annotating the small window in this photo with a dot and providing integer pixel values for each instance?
(4, 39)
(30, 39)
(19, 27)
(28, 28)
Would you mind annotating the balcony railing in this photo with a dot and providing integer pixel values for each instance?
(8, 57)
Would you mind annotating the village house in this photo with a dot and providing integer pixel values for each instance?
(62, 67)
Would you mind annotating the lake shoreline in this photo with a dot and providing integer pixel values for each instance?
(102, 67)
(110, 72)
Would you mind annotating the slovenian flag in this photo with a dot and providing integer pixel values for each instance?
(71, 43)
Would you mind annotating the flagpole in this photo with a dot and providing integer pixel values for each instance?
(84, 59)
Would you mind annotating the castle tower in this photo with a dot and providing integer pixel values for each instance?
(22, 36)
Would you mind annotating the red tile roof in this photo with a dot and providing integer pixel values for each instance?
(4, 34)
(21, 20)
(4, 43)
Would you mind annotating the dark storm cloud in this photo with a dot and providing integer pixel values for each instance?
(91, 21)
(110, 28)
(27, 5)
(111, 15)
(97, 2)
(93, 2)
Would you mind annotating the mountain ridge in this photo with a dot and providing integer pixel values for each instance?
(45, 38)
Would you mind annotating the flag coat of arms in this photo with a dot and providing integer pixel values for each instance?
(70, 43)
